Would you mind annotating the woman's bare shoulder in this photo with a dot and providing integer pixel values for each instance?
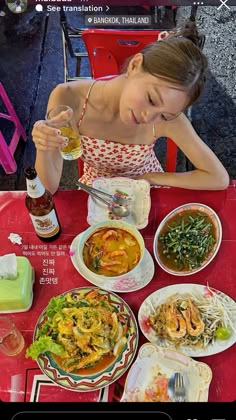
(72, 93)
(174, 127)
(77, 87)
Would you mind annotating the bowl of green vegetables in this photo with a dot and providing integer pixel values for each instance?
(187, 239)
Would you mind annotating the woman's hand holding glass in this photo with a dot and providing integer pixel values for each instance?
(59, 131)
(62, 118)
(47, 138)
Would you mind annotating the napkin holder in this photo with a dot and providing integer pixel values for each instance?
(16, 295)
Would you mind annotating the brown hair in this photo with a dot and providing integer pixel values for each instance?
(179, 59)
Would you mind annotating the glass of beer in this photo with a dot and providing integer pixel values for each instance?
(61, 117)
(11, 340)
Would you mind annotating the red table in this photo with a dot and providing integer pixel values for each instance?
(21, 380)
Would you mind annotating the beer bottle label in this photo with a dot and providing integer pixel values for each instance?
(46, 226)
(34, 188)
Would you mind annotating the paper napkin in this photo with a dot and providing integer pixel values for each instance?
(8, 266)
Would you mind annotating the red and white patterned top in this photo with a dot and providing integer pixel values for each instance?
(105, 158)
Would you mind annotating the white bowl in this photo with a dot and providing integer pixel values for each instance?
(180, 210)
(109, 224)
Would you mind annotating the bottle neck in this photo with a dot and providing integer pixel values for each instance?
(35, 187)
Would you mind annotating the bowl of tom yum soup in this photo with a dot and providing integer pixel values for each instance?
(110, 249)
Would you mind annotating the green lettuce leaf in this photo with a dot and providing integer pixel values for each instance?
(42, 345)
(56, 304)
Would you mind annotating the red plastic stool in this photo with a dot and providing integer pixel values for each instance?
(7, 150)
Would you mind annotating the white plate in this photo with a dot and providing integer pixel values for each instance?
(218, 236)
(154, 366)
(140, 202)
(139, 278)
(159, 297)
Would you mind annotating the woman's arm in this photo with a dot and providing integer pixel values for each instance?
(48, 140)
(209, 173)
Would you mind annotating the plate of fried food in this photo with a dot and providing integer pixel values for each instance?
(191, 318)
(85, 339)
(187, 239)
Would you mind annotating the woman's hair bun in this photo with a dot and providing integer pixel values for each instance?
(189, 31)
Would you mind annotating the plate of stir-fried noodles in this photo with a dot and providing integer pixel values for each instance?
(194, 319)
(85, 339)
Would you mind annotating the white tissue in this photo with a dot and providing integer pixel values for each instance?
(8, 266)
(15, 238)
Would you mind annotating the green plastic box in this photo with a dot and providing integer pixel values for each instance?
(16, 295)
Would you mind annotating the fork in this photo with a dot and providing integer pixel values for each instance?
(179, 388)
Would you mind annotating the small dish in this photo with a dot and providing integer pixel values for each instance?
(149, 375)
(138, 191)
(175, 218)
(135, 280)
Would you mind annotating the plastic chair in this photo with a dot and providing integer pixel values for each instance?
(108, 50)
(7, 150)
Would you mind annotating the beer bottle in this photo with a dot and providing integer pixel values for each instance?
(40, 205)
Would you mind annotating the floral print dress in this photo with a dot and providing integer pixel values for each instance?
(106, 158)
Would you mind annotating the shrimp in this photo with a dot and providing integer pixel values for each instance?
(118, 253)
(110, 233)
(195, 325)
(105, 264)
(92, 295)
(175, 324)
(119, 269)
(110, 262)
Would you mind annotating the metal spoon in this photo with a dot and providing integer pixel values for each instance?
(117, 209)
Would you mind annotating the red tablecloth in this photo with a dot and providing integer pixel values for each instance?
(21, 379)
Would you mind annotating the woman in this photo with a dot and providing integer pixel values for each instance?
(120, 119)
